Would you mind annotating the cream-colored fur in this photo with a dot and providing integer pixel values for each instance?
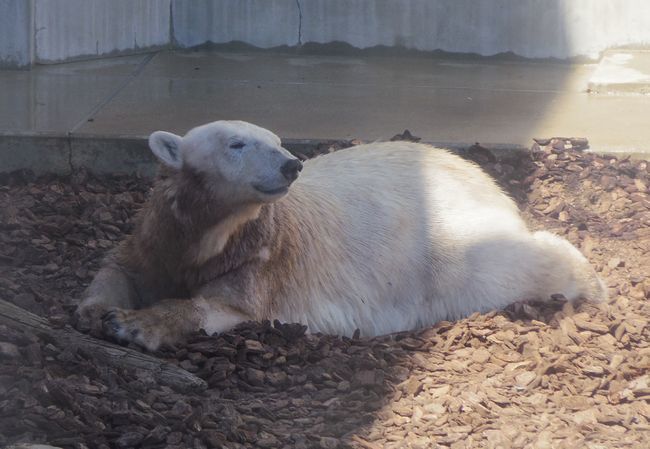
(382, 237)
(215, 238)
(408, 235)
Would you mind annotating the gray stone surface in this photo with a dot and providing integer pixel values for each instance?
(68, 29)
(15, 33)
(622, 71)
(97, 114)
(530, 28)
(262, 23)
(61, 30)
(58, 98)
(462, 101)
(315, 110)
(116, 155)
(39, 153)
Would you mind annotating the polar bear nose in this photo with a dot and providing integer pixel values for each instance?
(290, 169)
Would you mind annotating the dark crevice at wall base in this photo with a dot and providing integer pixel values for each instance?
(113, 54)
(299, 23)
(345, 49)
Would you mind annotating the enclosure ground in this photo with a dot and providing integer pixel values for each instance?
(535, 375)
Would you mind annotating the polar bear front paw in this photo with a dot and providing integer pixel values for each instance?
(87, 318)
(134, 326)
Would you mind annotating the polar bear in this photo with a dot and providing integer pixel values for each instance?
(382, 237)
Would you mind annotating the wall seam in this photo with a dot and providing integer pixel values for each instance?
(172, 33)
(299, 23)
(32, 33)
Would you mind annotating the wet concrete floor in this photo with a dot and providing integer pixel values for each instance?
(455, 100)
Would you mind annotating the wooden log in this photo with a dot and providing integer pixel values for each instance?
(100, 350)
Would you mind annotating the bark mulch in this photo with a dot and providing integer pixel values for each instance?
(535, 375)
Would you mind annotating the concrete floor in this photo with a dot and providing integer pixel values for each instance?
(621, 72)
(455, 100)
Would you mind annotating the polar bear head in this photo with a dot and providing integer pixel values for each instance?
(238, 162)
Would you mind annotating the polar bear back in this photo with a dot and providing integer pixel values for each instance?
(386, 234)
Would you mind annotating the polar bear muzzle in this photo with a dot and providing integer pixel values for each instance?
(290, 169)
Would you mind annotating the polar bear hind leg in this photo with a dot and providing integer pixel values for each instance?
(568, 271)
(498, 271)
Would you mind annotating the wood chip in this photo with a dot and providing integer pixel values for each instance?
(539, 375)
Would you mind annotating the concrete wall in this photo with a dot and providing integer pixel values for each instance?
(262, 23)
(69, 29)
(15, 33)
(529, 28)
(59, 30)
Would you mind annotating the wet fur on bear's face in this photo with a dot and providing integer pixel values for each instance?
(236, 162)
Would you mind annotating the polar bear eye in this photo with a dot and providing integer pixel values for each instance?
(237, 145)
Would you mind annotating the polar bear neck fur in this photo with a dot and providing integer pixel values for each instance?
(184, 237)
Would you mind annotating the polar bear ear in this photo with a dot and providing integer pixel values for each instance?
(167, 148)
